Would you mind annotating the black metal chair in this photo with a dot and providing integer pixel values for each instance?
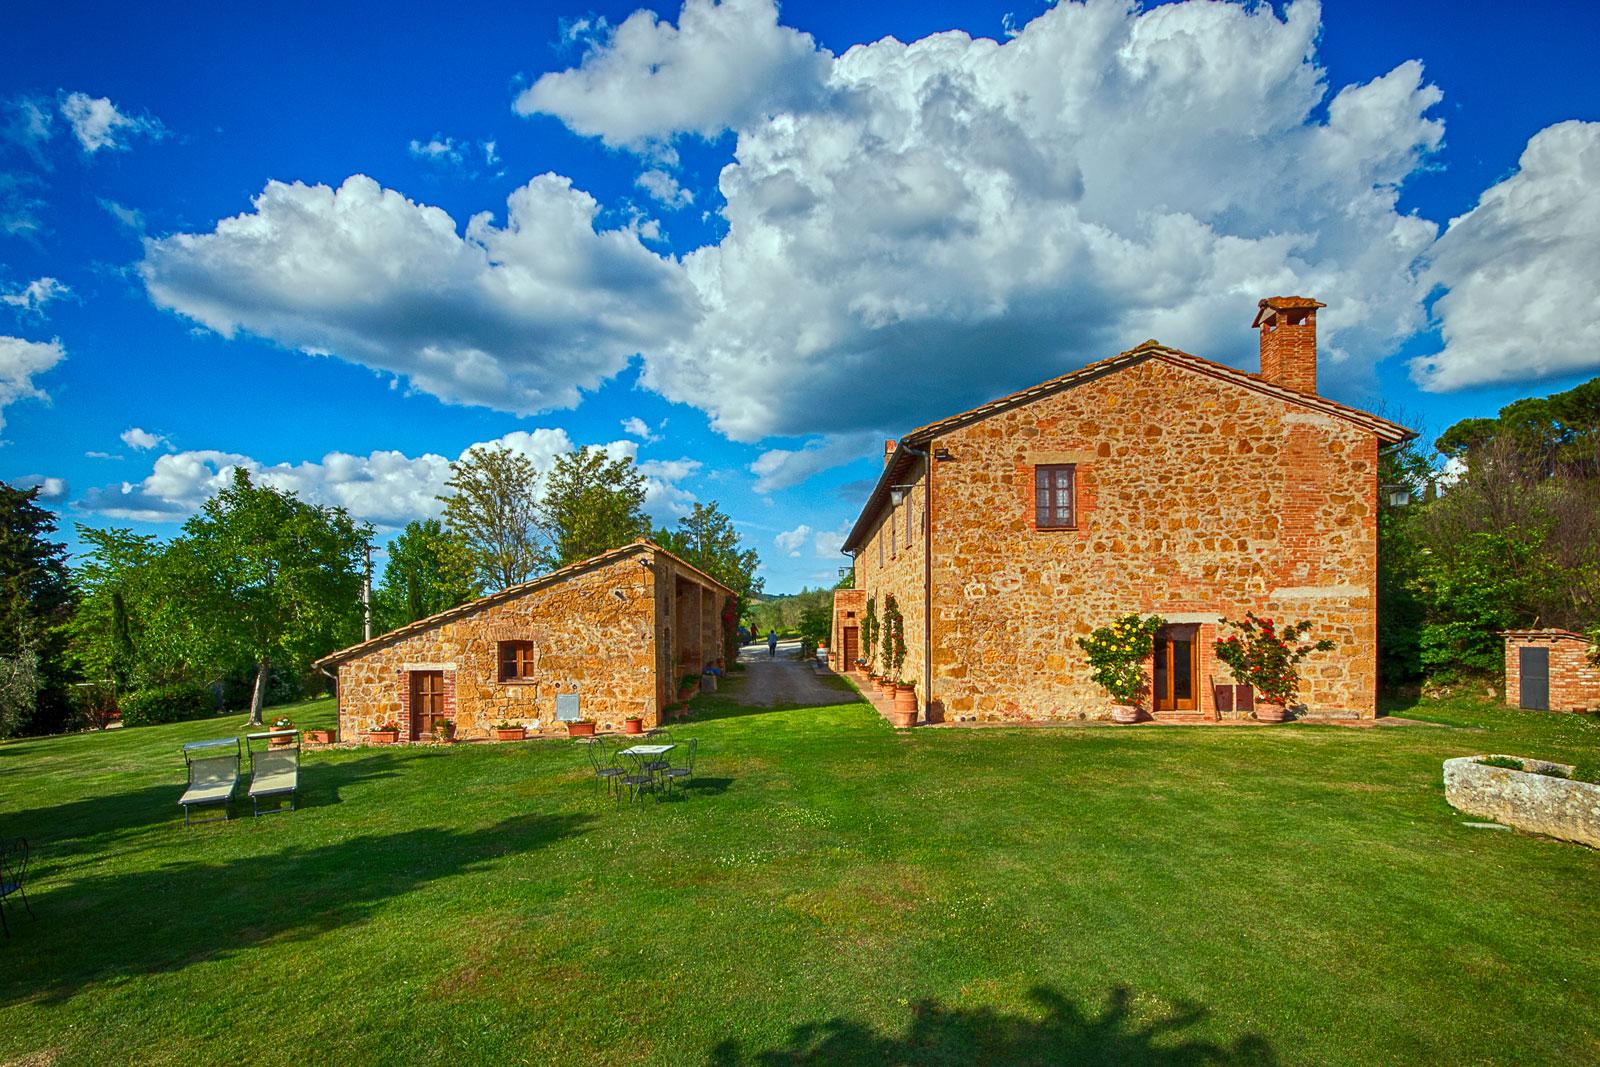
(637, 780)
(659, 736)
(13, 876)
(684, 770)
(605, 765)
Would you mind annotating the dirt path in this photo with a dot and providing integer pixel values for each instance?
(784, 680)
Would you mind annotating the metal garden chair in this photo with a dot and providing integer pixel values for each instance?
(604, 762)
(685, 770)
(659, 736)
(213, 768)
(13, 876)
(637, 780)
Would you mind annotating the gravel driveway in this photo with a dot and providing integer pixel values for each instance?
(784, 680)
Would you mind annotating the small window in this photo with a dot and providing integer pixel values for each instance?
(516, 661)
(1053, 496)
(892, 540)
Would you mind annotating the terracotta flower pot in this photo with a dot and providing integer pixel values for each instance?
(633, 726)
(580, 729)
(320, 737)
(1124, 713)
(1268, 712)
(281, 742)
(383, 737)
(905, 698)
(902, 718)
(516, 733)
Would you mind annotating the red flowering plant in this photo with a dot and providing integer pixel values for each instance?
(1268, 656)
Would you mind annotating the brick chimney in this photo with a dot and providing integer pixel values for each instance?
(888, 450)
(1288, 326)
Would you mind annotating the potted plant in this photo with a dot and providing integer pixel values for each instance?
(385, 733)
(1117, 653)
(1268, 657)
(581, 728)
(282, 722)
(444, 731)
(687, 685)
(509, 731)
(869, 640)
(633, 724)
(319, 737)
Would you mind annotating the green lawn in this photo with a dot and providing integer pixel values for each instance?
(829, 891)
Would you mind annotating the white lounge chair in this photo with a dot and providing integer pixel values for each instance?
(213, 774)
(274, 769)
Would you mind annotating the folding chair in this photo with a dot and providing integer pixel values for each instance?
(213, 768)
(274, 768)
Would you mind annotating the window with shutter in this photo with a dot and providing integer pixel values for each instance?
(1053, 493)
(516, 660)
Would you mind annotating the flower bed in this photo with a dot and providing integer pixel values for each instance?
(1538, 803)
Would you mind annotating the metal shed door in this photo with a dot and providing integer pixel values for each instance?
(1533, 665)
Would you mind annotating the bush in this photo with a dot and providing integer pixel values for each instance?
(1117, 652)
(1587, 770)
(167, 703)
(1508, 762)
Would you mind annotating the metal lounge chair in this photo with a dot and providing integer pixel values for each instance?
(13, 876)
(274, 769)
(213, 774)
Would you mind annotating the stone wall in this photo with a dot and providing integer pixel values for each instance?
(593, 632)
(1197, 498)
(1574, 679)
(849, 607)
(892, 563)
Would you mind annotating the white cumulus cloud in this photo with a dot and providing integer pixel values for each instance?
(51, 490)
(1522, 270)
(519, 317)
(664, 189)
(783, 468)
(437, 149)
(20, 362)
(385, 487)
(99, 125)
(142, 440)
(792, 541)
(723, 65)
(32, 298)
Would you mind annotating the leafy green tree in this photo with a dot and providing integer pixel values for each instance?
(592, 503)
(118, 584)
(35, 599)
(492, 507)
(429, 570)
(705, 538)
(268, 578)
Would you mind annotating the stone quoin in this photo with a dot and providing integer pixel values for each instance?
(618, 630)
(1155, 482)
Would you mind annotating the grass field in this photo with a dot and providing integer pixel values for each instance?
(828, 891)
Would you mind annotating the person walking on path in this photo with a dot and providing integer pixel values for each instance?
(772, 644)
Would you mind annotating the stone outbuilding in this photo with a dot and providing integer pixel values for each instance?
(618, 631)
(1154, 482)
(1551, 670)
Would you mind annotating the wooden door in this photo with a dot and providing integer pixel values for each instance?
(1533, 667)
(427, 701)
(1177, 670)
(852, 647)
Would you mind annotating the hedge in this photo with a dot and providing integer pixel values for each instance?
(167, 703)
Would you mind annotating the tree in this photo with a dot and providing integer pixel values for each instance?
(592, 503)
(35, 599)
(269, 578)
(705, 538)
(118, 590)
(493, 509)
(429, 570)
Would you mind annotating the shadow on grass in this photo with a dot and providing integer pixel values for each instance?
(1066, 1034)
(126, 925)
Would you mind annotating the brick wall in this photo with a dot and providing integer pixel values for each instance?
(1198, 498)
(849, 607)
(1574, 680)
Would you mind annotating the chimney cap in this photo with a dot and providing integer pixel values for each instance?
(1285, 303)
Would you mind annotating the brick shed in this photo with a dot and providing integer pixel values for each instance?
(618, 630)
(1156, 482)
(1550, 670)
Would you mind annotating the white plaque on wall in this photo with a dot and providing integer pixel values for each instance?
(567, 707)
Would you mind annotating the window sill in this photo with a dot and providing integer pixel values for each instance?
(1054, 529)
(519, 681)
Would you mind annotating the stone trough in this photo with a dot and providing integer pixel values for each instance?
(1532, 802)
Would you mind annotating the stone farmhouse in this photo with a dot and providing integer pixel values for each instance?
(618, 630)
(1154, 481)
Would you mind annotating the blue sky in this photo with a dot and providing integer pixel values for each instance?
(729, 242)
